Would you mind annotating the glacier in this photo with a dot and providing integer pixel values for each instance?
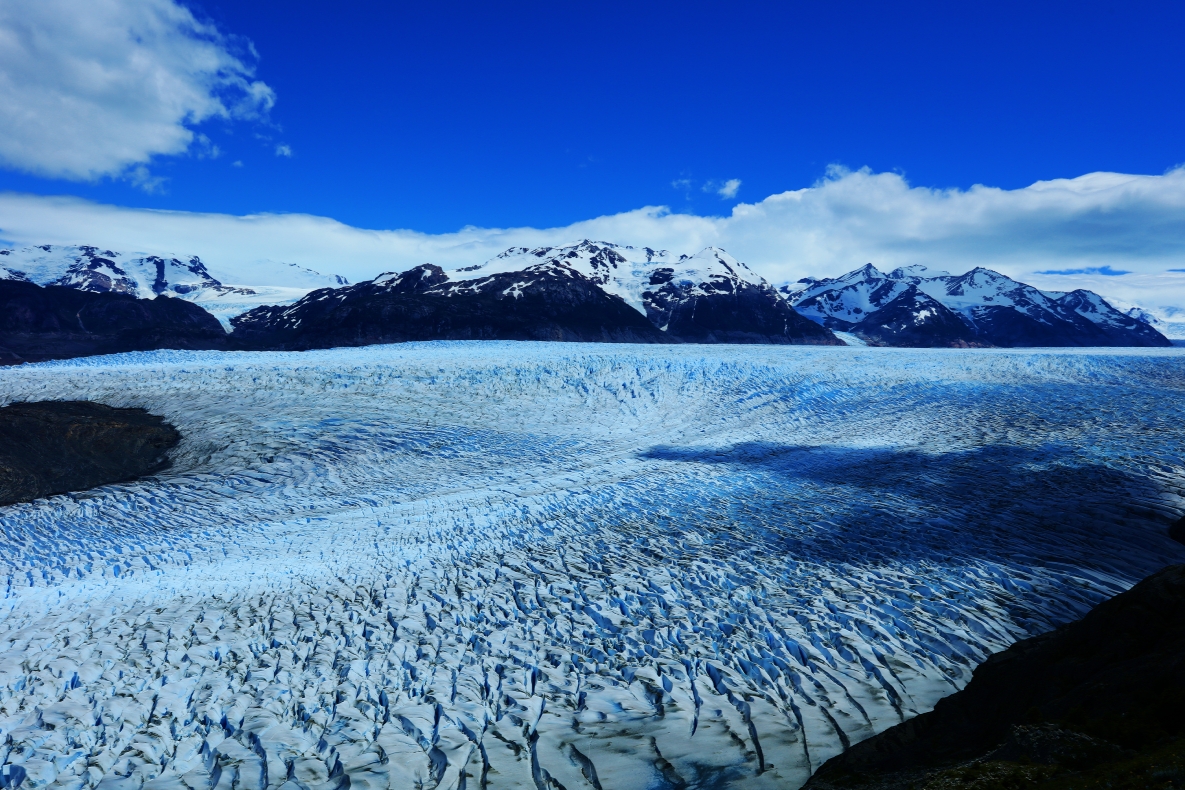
(545, 565)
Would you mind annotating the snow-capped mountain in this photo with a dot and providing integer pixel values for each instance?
(994, 309)
(546, 301)
(707, 297)
(143, 275)
(623, 270)
(1169, 321)
(915, 319)
(548, 293)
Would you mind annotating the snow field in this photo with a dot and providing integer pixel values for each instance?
(557, 565)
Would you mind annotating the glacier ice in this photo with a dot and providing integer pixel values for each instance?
(558, 565)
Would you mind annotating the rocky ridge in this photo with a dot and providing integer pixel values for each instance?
(544, 302)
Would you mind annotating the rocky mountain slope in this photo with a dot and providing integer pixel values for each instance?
(993, 310)
(57, 322)
(587, 291)
(1101, 692)
(543, 302)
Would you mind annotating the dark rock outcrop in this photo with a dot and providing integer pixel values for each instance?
(1105, 688)
(55, 322)
(550, 302)
(51, 447)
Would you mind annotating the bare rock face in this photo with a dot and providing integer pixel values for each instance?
(56, 322)
(51, 447)
(1105, 690)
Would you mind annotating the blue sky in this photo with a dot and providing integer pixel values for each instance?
(807, 139)
(433, 116)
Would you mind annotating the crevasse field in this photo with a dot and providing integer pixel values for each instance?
(548, 565)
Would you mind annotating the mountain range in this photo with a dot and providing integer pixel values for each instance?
(589, 291)
(586, 291)
(914, 306)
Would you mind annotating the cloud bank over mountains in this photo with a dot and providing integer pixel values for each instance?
(99, 88)
(1090, 227)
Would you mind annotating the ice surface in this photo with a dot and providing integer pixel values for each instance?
(557, 565)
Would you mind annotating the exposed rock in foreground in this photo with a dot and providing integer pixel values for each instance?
(52, 447)
(55, 322)
(1100, 698)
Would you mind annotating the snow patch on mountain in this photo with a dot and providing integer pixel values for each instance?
(146, 276)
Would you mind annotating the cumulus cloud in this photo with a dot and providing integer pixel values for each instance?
(98, 88)
(729, 189)
(283, 150)
(1097, 223)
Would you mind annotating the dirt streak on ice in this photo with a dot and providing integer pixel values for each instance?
(549, 565)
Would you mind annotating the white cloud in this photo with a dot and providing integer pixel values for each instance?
(283, 150)
(97, 88)
(1124, 222)
(729, 189)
